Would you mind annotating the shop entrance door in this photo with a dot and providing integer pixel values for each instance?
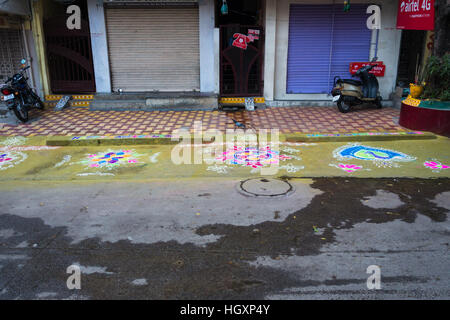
(241, 61)
(69, 54)
(242, 49)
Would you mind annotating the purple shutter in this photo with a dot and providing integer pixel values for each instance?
(351, 40)
(320, 35)
(310, 29)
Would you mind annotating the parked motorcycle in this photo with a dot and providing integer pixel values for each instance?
(349, 92)
(18, 95)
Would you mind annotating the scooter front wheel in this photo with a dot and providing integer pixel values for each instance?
(343, 106)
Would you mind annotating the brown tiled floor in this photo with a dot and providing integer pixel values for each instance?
(80, 121)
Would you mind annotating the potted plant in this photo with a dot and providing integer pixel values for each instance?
(416, 88)
(437, 79)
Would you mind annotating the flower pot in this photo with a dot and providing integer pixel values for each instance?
(415, 90)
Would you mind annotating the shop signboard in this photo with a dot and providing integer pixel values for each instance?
(415, 15)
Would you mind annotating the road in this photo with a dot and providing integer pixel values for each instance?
(139, 227)
(202, 239)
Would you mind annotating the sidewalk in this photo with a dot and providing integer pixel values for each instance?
(81, 121)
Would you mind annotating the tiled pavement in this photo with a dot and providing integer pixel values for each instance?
(81, 121)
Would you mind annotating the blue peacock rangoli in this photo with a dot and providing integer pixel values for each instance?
(380, 157)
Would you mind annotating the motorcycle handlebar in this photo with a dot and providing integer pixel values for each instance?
(22, 70)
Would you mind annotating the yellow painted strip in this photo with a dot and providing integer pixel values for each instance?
(72, 103)
(411, 101)
(80, 104)
(54, 97)
(83, 97)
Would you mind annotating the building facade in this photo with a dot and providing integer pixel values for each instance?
(287, 51)
(178, 46)
(313, 41)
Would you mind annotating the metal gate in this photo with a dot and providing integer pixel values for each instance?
(241, 61)
(11, 52)
(69, 57)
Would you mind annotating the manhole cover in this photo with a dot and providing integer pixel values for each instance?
(264, 187)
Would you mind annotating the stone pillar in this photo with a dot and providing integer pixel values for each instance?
(99, 46)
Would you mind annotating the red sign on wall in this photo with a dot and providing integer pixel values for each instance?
(415, 15)
(378, 71)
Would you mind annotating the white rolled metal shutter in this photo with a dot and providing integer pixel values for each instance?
(154, 48)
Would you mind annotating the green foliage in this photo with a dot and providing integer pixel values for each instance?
(437, 78)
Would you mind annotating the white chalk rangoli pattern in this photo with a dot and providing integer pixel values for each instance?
(218, 169)
(11, 159)
(65, 159)
(290, 168)
(14, 141)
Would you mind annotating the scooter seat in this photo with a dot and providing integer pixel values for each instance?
(351, 81)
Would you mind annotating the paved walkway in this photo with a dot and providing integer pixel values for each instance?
(81, 121)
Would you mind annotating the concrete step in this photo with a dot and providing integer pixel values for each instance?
(155, 101)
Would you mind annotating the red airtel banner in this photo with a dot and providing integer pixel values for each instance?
(415, 15)
(378, 71)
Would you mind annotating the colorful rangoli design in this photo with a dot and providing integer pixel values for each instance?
(112, 159)
(252, 157)
(349, 168)
(10, 159)
(4, 158)
(380, 157)
(436, 166)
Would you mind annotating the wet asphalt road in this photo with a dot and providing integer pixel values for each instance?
(202, 239)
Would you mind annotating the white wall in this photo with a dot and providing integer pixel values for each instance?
(270, 48)
(388, 48)
(20, 7)
(34, 62)
(99, 46)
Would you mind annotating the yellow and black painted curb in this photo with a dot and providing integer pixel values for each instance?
(240, 100)
(77, 101)
(55, 97)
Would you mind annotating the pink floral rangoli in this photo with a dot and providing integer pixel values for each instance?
(252, 157)
(436, 166)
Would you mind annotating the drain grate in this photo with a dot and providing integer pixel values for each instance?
(265, 187)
